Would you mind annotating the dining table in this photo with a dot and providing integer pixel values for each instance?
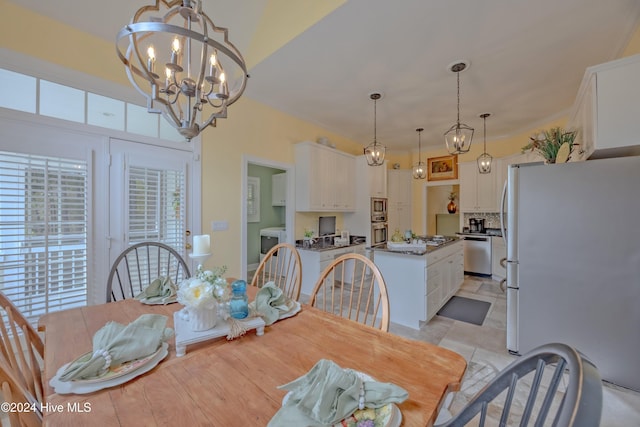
(235, 382)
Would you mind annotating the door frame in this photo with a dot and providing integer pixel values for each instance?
(289, 208)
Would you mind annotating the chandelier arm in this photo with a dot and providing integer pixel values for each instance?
(160, 27)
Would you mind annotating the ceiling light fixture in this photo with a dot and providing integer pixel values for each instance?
(182, 75)
(419, 170)
(458, 138)
(484, 159)
(375, 151)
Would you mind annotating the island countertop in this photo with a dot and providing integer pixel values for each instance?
(420, 252)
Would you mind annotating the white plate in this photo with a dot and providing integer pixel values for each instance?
(395, 419)
(120, 377)
(295, 310)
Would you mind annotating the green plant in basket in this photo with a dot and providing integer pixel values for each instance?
(554, 145)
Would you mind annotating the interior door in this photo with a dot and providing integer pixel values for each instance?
(149, 193)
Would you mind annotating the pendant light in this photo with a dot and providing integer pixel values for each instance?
(419, 170)
(484, 160)
(375, 151)
(458, 138)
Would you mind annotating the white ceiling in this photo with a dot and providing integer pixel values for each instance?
(527, 59)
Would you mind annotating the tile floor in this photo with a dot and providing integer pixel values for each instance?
(484, 348)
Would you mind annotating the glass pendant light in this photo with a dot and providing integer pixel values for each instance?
(459, 136)
(375, 151)
(419, 169)
(484, 160)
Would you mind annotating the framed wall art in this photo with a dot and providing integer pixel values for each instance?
(442, 168)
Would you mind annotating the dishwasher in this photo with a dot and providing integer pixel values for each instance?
(477, 254)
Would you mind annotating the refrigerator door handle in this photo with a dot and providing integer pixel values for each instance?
(502, 210)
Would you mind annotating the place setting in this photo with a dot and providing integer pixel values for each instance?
(330, 395)
(120, 353)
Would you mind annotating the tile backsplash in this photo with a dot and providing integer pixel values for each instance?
(491, 219)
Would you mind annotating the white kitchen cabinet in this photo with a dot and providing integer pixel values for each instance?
(399, 200)
(315, 261)
(498, 252)
(477, 191)
(606, 110)
(325, 179)
(419, 285)
(279, 189)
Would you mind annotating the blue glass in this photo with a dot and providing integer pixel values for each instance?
(239, 303)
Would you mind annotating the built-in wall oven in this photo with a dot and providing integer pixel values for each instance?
(378, 209)
(379, 231)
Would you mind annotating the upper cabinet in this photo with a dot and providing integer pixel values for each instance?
(606, 110)
(399, 204)
(325, 179)
(477, 191)
(279, 189)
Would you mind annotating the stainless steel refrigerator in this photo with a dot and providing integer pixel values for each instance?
(573, 261)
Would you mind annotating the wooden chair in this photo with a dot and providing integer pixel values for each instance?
(138, 265)
(22, 350)
(282, 266)
(353, 287)
(534, 382)
(14, 393)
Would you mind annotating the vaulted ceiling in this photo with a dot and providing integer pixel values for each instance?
(319, 61)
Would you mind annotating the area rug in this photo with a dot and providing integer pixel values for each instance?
(465, 309)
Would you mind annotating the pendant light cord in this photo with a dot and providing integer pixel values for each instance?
(458, 74)
(375, 120)
(485, 134)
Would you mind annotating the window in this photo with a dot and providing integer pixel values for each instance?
(253, 199)
(43, 232)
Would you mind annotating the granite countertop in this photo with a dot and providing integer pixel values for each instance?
(419, 252)
(326, 243)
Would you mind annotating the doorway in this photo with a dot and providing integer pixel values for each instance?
(263, 212)
(435, 199)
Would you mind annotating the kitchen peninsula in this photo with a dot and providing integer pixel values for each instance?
(419, 282)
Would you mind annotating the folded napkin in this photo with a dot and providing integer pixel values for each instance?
(115, 344)
(270, 302)
(327, 394)
(160, 291)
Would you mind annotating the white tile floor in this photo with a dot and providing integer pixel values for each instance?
(484, 348)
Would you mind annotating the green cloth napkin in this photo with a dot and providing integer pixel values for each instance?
(116, 343)
(160, 291)
(327, 394)
(270, 302)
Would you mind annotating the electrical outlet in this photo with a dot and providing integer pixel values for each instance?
(219, 225)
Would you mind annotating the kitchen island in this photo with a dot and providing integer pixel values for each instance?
(420, 282)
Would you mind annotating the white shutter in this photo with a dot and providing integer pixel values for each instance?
(156, 206)
(43, 232)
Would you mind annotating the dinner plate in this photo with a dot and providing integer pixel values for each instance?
(120, 375)
(386, 416)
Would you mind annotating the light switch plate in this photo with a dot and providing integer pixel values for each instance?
(219, 225)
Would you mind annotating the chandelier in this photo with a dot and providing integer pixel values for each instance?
(484, 159)
(458, 137)
(375, 151)
(173, 55)
(419, 169)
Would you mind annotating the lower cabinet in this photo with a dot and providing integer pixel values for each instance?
(419, 285)
(314, 262)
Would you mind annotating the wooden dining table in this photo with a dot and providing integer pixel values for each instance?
(235, 383)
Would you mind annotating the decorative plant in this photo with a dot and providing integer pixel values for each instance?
(452, 196)
(308, 233)
(548, 142)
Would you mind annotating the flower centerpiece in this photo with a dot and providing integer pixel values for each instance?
(554, 145)
(201, 296)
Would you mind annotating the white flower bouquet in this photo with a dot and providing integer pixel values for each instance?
(201, 295)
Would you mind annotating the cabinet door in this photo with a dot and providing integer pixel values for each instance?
(279, 189)
(467, 177)
(486, 191)
(378, 180)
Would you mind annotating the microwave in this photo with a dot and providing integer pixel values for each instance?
(378, 209)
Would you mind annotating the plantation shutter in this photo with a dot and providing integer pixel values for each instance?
(156, 206)
(43, 232)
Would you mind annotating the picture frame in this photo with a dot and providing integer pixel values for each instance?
(442, 168)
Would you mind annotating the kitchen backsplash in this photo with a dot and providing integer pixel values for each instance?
(491, 219)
